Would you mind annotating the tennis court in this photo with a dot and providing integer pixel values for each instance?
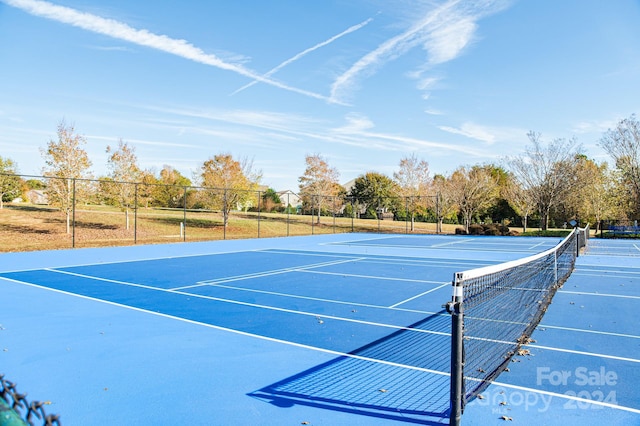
(332, 329)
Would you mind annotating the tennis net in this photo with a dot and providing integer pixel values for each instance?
(494, 311)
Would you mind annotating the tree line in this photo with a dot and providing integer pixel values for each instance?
(549, 184)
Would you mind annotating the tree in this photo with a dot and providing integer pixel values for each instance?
(170, 189)
(10, 186)
(623, 145)
(125, 174)
(521, 200)
(472, 189)
(375, 191)
(547, 173)
(591, 199)
(319, 183)
(65, 162)
(414, 182)
(229, 182)
(271, 200)
(444, 204)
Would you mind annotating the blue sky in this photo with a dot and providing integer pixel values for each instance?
(362, 82)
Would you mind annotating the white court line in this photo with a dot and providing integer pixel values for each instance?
(338, 302)
(389, 259)
(150, 259)
(419, 295)
(254, 305)
(460, 241)
(329, 351)
(582, 293)
(574, 352)
(608, 274)
(266, 273)
(371, 277)
(537, 245)
(637, 247)
(315, 315)
(243, 333)
(541, 327)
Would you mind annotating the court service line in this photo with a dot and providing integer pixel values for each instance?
(372, 277)
(537, 245)
(583, 330)
(265, 273)
(337, 302)
(328, 351)
(243, 333)
(584, 293)
(574, 352)
(419, 295)
(333, 317)
(390, 259)
(145, 259)
(616, 274)
(460, 241)
(255, 305)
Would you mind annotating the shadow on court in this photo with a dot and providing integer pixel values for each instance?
(403, 376)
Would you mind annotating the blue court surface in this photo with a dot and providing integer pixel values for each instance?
(343, 329)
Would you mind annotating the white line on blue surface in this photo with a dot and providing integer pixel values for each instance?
(319, 299)
(420, 295)
(574, 352)
(583, 293)
(583, 330)
(244, 333)
(270, 273)
(460, 241)
(253, 305)
(370, 277)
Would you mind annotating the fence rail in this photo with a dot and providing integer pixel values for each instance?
(54, 212)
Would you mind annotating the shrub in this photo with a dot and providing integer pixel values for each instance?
(491, 230)
(476, 229)
(461, 231)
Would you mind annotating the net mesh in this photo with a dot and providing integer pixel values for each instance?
(502, 306)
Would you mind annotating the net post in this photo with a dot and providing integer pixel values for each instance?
(455, 308)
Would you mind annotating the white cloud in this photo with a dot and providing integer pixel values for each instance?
(306, 52)
(487, 134)
(356, 123)
(443, 33)
(599, 126)
(122, 31)
(472, 131)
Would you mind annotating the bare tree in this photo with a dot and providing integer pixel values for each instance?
(319, 182)
(414, 182)
(125, 172)
(65, 161)
(472, 189)
(623, 144)
(547, 173)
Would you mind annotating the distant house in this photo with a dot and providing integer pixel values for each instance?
(289, 198)
(37, 196)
